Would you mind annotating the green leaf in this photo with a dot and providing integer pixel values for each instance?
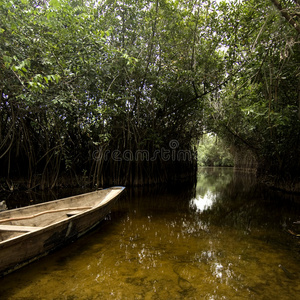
(54, 3)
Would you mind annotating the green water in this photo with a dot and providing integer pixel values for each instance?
(225, 238)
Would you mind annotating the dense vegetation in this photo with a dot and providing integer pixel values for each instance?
(120, 92)
(259, 109)
(213, 152)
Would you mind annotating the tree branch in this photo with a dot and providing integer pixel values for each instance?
(286, 15)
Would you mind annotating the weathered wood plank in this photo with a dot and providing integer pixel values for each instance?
(18, 228)
(73, 213)
(44, 212)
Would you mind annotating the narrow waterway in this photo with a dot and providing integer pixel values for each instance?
(225, 238)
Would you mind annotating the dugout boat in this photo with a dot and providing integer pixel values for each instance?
(31, 232)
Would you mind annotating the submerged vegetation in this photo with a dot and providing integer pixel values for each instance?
(120, 92)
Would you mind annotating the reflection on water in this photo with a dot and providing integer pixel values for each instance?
(224, 238)
(201, 203)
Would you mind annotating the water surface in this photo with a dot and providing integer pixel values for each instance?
(225, 238)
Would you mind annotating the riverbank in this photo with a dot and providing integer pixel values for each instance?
(286, 185)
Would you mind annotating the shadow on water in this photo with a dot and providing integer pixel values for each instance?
(24, 198)
(223, 238)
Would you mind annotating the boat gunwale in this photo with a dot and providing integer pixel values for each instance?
(61, 199)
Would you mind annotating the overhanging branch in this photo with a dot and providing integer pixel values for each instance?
(286, 15)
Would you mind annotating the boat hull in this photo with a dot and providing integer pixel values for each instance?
(21, 250)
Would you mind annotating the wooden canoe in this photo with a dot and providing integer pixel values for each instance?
(31, 232)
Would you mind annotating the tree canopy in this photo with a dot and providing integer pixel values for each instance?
(99, 89)
(259, 109)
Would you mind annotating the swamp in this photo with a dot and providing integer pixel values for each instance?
(193, 106)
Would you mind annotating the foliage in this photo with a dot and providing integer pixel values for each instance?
(78, 77)
(259, 107)
(47, 77)
(81, 78)
(214, 152)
